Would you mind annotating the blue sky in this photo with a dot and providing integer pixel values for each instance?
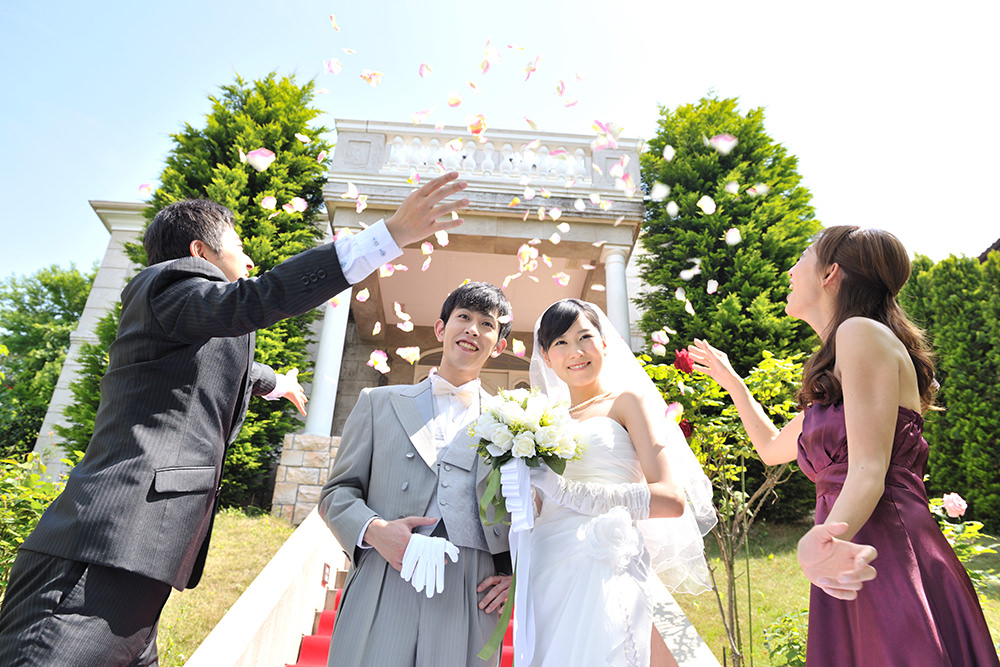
(891, 112)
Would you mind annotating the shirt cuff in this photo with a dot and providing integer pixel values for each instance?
(281, 386)
(362, 253)
(361, 536)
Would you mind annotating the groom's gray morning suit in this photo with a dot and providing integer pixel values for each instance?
(173, 399)
(389, 466)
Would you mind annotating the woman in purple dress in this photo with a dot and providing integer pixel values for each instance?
(859, 438)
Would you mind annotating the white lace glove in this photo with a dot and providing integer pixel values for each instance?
(423, 562)
(591, 498)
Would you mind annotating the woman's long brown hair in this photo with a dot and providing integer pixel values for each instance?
(874, 266)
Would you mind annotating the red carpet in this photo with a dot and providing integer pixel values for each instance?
(316, 647)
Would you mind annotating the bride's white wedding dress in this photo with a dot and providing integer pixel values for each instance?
(589, 574)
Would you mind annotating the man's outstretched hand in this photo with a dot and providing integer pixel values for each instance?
(417, 217)
(837, 566)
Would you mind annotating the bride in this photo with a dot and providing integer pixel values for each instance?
(636, 502)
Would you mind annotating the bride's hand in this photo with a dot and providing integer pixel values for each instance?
(714, 363)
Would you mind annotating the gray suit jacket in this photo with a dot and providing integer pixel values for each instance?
(173, 399)
(385, 466)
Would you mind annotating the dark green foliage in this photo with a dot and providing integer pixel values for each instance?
(957, 300)
(205, 162)
(746, 315)
(37, 315)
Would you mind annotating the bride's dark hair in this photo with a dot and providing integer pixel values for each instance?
(560, 316)
(874, 266)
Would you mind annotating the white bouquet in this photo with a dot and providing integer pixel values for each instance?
(526, 425)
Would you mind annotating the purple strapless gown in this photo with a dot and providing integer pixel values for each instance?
(921, 609)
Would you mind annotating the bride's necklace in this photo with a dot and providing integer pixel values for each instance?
(592, 399)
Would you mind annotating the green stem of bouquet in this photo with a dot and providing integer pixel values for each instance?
(496, 639)
(492, 496)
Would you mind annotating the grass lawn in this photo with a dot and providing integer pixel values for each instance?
(778, 588)
(241, 546)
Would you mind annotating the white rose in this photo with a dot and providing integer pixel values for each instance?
(536, 408)
(512, 413)
(566, 449)
(518, 395)
(547, 436)
(611, 537)
(485, 426)
(502, 439)
(524, 445)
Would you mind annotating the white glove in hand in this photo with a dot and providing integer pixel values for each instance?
(423, 562)
(592, 498)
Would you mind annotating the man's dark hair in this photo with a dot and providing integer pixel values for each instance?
(481, 298)
(170, 233)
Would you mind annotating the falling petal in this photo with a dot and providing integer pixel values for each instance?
(659, 192)
(733, 236)
(707, 205)
(560, 88)
(386, 270)
(680, 294)
(513, 202)
(619, 221)
(532, 67)
(413, 178)
(712, 287)
(145, 189)
(563, 227)
(349, 52)
(541, 213)
(673, 209)
(363, 295)
(524, 218)
(533, 145)
(660, 337)
(322, 91)
(595, 199)
(759, 190)
(732, 187)
(506, 281)
(372, 77)
(333, 66)
(597, 288)
(454, 145)
(401, 267)
(268, 202)
(405, 325)
(674, 411)
(424, 70)
(668, 152)
(534, 241)
(533, 279)
(321, 157)
(561, 278)
(333, 22)
(529, 193)
(417, 117)
(587, 267)
(260, 159)
(454, 215)
(596, 167)
(530, 123)
(555, 212)
(379, 361)
(377, 329)
(427, 264)
(658, 350)
(352, 191)
(442, 238)
(687, 274)
(398, 309)
(518, 346)
(477, 126)
(723, 143)
(473, 86)
(243, 156)
(410, 354)
(362, 203)
(427, 247)
(579, 205)
(598, 244)
(555, 238)
(454, 99)
(303, 138)
(288, 208)
(688, 307)
(334, 302)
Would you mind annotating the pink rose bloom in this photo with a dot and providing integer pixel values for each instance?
(954, 505)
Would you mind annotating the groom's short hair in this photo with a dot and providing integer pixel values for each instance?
(172, 230)
(483, 298)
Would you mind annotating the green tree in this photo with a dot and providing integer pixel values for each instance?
(37, 315)
(757, 190)
(957, 300)
(209, 162)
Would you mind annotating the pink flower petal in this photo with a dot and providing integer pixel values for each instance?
(372, 77)
(386, 270)
(759, 190)
(561, 278)
(712, 287)
(545, 193)
(571, 102)
(477, 126)
(299, 204)
(442, 238)
(668, 152)
(321, 157)
(673, 209)
(680, 294)
(598, 244)
(660, 337)
(532, 67)
(518, 347)
(555, 238)
(723, 143)
(597, 288)
(303, 138)
(619, 221)
(563, 227)
(260, 159)
(688, 307)
(145, 189)
(454, 145)
(732, 187)
(529, 193)
(427, 264)
(595, 199)
(733, 236)
(427, 247)
(334, 302)
(707, 205)
(363, 295)
(405, 325)
(333, 22)
(555, 212)
(243, 156)
(333, 66)
(596, 167)
(533, 145)
(362, 203)
(352, 191)
(268, 202)
(547, 261)
(288, 208)
(513, 202)
(541, 213)
(379, 361)
(410, 354)
(524, 218)
(560, 88)
(454, 99)
(530, 123)
(674, 411)
(322, 91)
(579, 205)
(424, 70)
(398, 309)
(659, 192)
(417, 117)
(401, 267)
(658, 350)
(587, 267)
(377, 329)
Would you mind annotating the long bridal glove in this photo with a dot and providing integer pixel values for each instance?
(423, 562)
(592, 498)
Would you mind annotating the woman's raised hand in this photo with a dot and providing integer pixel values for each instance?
(713, 363)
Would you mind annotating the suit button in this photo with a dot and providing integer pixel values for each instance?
(443, 503)
(409, 455)
(496, 531)
(405, 486)
(304, 279)
(321, 273)
(444, 484)
(447, 467)
(312, 277)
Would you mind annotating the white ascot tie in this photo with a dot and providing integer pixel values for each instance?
(466, 394)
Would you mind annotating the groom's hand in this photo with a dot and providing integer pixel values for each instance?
(389, 538)
(418, 216)
(496, 588)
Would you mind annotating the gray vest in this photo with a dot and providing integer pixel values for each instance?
(454, 498)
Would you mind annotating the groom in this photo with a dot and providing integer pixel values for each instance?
(406, 468)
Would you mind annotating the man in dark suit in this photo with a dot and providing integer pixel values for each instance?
(135, 518)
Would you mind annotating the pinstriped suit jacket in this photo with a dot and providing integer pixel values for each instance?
(174, 397)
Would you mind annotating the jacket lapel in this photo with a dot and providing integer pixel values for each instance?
(413, 408)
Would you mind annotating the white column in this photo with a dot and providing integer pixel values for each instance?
(615, 258)
(329, 354)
